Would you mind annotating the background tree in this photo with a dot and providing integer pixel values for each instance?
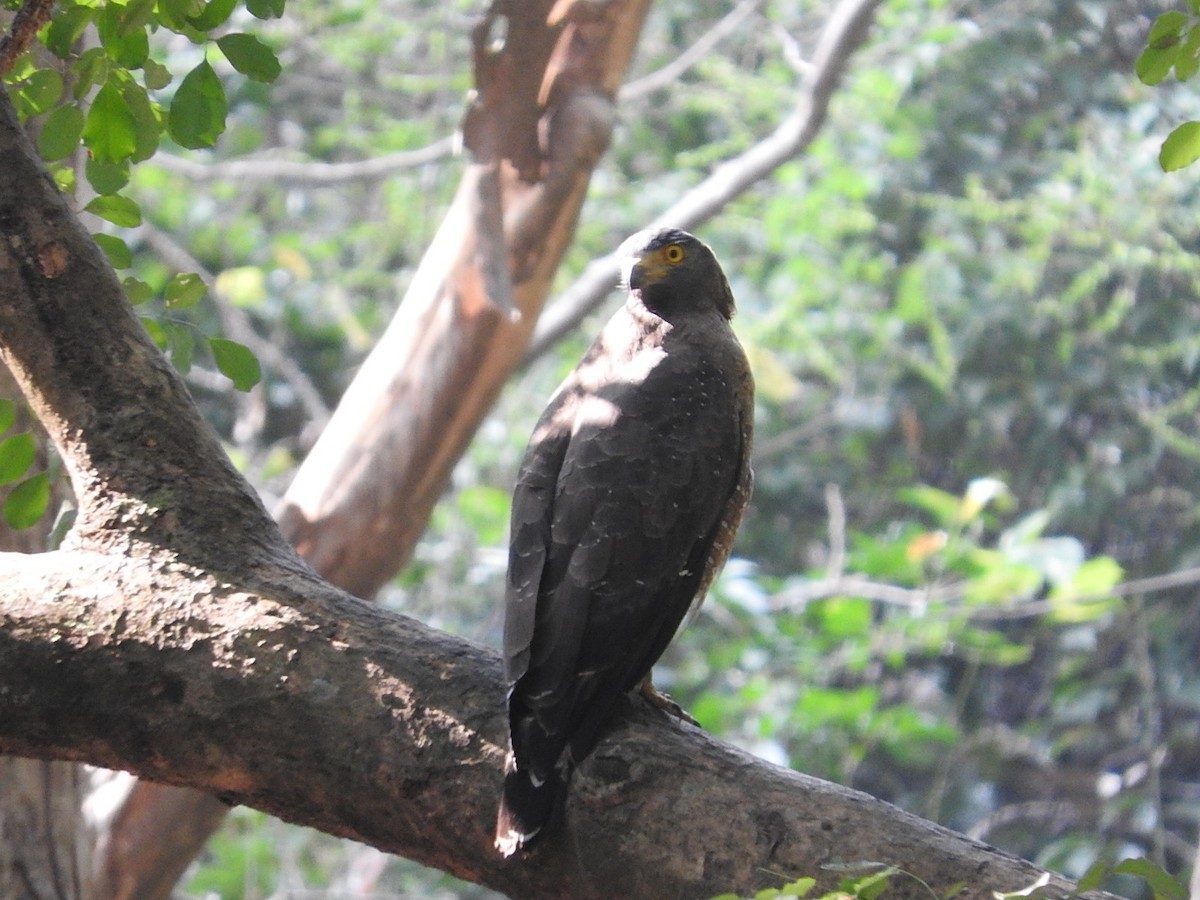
(964, 280)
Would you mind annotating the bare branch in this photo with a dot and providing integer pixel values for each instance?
(669, 74)
(306, 172)
(843, 33)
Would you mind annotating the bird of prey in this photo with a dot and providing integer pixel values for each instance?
(625, 508)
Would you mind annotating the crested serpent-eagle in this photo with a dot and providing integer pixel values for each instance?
(625, 508)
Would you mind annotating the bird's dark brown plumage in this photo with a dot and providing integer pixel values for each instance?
(625, 509)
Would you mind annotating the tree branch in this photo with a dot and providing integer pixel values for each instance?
(32, 15)
(310, 173)
(299, 700)
(844, 31)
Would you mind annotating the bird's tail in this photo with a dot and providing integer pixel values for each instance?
(526, 805)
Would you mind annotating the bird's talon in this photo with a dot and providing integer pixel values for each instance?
(666, 703)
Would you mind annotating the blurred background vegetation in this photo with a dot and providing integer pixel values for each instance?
(971, 309)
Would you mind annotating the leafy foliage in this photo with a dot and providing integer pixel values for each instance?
(1174, 43)
(970, 311)
(119, 109)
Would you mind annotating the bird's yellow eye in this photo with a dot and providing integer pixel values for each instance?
(673, 253)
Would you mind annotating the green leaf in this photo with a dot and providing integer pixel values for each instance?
(60, 133)
(265, 9)
(1181, 148)
(148, 117)
(126, 44)
(90, 69)
(39, 92)
(156, 75)
(177, 14)
(117, 251)
(215, 13)
(66, 28)
(250, 56)
(198, 109)
(137, 15)
(1162, 47)
(8, 414)
(184, 290)
(1164, 886)
(1153, 65)
(1188, 61)
(107, 178)
(27, 502)
(183, 346)
(1093, 878)
(137, 291)
(236, 363)
(116, 209)
(157, 333)
(110, 130)
(1166, 29)
(16, 456)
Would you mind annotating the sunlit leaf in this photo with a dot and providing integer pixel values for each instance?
(8, 414)
(1181, 148)
(17, 454)
(27, 502)
(39, 92)
(109, 131)
(117, 209)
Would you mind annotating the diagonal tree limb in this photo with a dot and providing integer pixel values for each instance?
(844, 32)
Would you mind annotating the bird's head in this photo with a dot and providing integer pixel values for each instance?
(674, 272)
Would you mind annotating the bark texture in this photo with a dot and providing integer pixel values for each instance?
(321, 709)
